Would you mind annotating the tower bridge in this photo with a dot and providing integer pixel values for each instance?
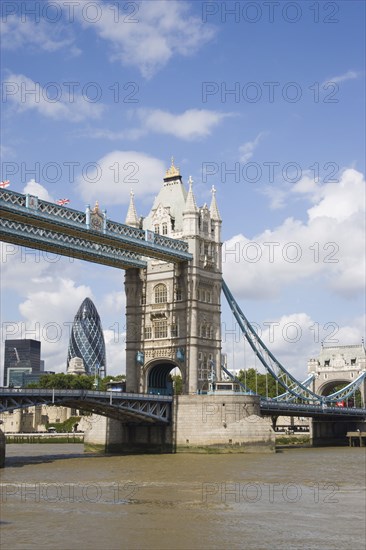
(29, 221)
(173, 283)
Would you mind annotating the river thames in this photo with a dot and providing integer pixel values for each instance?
(56, 497)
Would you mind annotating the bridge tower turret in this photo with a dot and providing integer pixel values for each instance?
(173, 311)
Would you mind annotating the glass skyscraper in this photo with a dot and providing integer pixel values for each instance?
(22, 354)
(87, 340)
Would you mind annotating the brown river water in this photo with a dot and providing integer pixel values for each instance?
(55, 497)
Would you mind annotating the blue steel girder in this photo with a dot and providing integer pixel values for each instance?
(127, 407)
(283, 408)
(67, 245)
(66, 221)
(290, 384)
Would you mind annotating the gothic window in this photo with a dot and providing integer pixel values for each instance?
(205, 295)
(165, 229)
(156, 228)
(178, 294)
(161, 329)
(174, 331)
(203, 331)
(148, 333)
(205, 227)
(202, 366)
(160, 294)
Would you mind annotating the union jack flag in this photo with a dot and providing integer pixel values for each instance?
(4, 184)
(62, 202)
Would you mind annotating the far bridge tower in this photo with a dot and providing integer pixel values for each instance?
(173, 311)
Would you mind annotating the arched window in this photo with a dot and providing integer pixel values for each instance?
(160, 294)
(161, 329)
(165, 229)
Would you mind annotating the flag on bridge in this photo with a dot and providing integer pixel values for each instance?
(62, 202)
(4, 184)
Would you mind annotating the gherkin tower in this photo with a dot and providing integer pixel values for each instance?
(87, 340)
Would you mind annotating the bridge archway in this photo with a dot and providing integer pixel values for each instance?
(332, 386)
(158, 377)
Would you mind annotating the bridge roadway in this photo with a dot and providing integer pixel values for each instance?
(283, 408)
(28, 221)
(141, 408)
(130, 407)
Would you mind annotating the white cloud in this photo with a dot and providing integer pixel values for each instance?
(330, 245)
(100, 133)
(117, 173)
(47, 315)
(55, 305)
(307, 186)
(247, 149)
(18, 33)
(150, 37)
(115, 352)
(115, 301)
(34, 188)
(25, 94)
(190, 125)
(48, 297)
(277, 197)
(349, 75)
(341, 200)
(293, 339)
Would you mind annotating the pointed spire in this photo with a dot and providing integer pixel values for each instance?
(214, 211)
(191, 205)
(131, 218)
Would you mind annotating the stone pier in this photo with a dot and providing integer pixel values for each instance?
(2, 449)
(334, 431)
(200, 423)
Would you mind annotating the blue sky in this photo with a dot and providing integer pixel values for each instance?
(267, 104)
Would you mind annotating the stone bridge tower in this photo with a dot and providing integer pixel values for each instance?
(173, 311)
(338, 365)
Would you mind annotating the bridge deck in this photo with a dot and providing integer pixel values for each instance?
(282, 408)
(46, 226)
(129, 407)
(147, 407)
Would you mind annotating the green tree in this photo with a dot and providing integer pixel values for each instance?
(262, 384)
(62, 381)
(177, 384)
(102, 386)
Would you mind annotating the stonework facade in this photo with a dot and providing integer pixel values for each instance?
(173, 310)
(35, 419)
(338, 365)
